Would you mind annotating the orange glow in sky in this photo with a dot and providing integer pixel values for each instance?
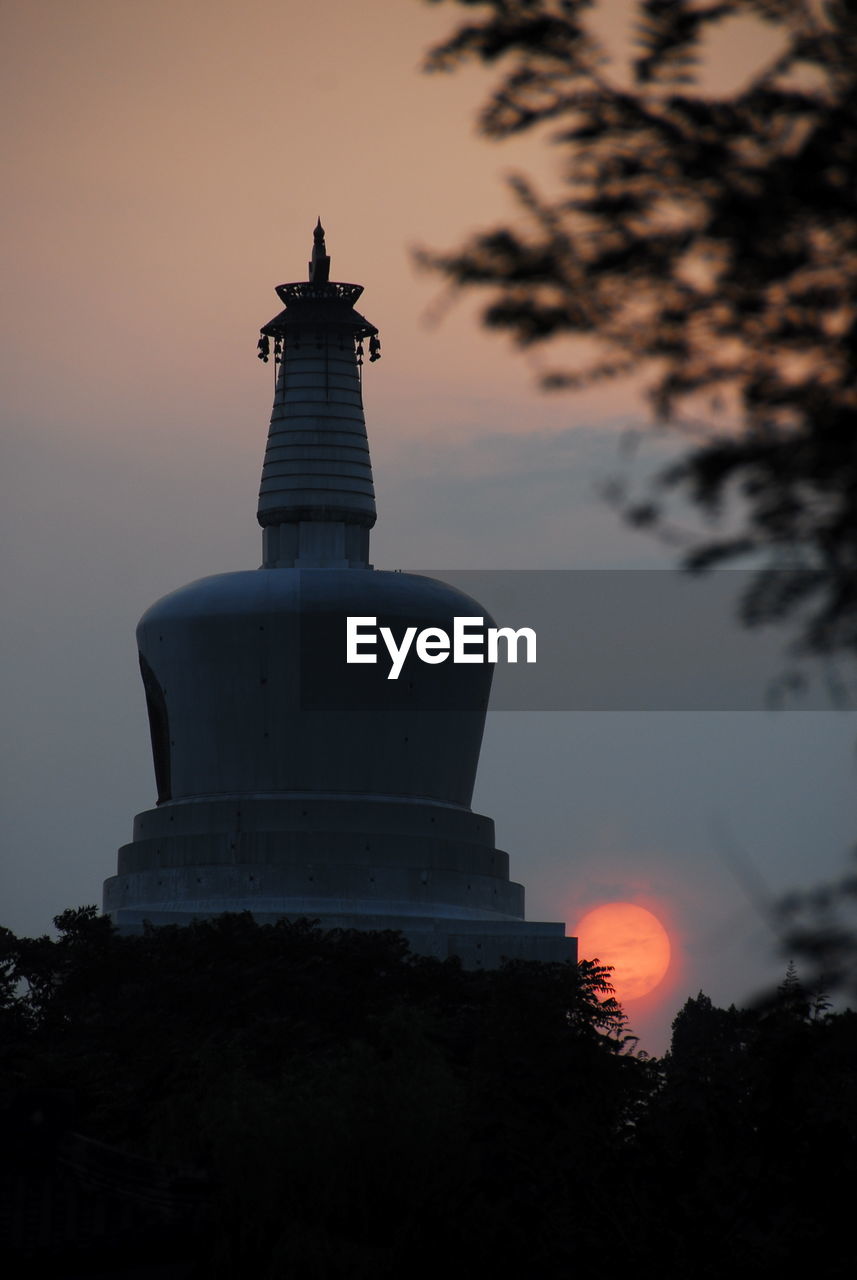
(632, 940)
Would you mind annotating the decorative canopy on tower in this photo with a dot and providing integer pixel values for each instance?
(318, 300)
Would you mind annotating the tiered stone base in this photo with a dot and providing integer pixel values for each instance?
(355, 862)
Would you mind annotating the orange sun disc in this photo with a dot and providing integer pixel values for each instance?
(630, 939)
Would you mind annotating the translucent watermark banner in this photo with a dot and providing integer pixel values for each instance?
(546, 640)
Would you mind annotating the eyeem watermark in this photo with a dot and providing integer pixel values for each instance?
(471, 641)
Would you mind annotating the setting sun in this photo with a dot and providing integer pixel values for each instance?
(632, 940)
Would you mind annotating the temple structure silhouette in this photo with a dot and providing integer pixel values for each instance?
(289, 782)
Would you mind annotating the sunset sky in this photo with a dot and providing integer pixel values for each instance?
(165, 163)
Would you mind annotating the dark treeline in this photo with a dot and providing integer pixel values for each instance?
(268, 1101)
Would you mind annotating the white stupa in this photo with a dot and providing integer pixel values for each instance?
(291, 784)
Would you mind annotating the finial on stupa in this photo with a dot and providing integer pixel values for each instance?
(319, 264)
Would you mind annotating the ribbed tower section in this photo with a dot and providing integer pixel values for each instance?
(317, 501)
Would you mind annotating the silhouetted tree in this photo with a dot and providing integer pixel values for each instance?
(336, 1106)
(752, 1139)
(351, 1106)
(792, 1000)
(707, 241)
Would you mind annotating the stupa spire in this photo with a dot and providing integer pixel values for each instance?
(319, 264)
(316, 501)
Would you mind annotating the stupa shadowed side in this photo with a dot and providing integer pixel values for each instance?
(289, 783)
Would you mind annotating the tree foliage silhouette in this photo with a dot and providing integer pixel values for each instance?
(350, 1104)
(342, 1108)
(708, 242)
(753, 1099)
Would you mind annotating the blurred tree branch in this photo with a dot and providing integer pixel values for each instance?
(708, 242)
